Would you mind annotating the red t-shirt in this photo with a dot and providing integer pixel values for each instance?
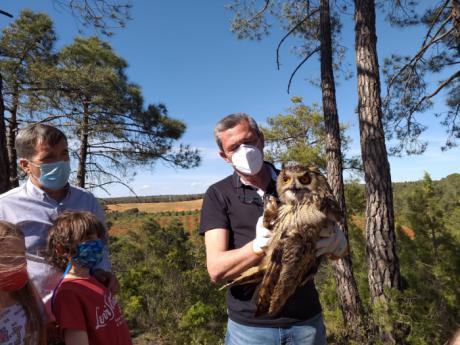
(87, 305)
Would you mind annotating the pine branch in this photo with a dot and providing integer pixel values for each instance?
(300, 65)
(435, 92)
(261, 11)
(6, 14)
(290, 32)
(435, 20)
(419, 54)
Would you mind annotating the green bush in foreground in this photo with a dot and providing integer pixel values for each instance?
(165, 293)
(167, 297)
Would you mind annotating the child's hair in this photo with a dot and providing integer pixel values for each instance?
(70, 229)
(27, 296)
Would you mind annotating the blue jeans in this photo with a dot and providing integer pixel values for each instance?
(309, 332)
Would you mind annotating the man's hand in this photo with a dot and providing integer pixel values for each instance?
(263, 236)
(335, 245)
(108, 279)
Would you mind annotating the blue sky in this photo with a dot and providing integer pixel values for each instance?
(183, 54)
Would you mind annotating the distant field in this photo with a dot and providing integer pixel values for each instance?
(159, 206)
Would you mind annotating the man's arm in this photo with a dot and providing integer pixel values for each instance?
(224, 264)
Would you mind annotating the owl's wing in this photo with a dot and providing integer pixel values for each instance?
(270, 279)
(298, 258)
(251, 275)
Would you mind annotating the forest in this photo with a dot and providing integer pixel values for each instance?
(399, 285)
(168, 298)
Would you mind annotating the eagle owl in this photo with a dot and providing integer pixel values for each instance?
(305, 207)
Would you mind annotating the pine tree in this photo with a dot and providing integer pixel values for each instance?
(409, 78)
(347, 290)
(104, 113)
(312, 22)
(26, 48)
(380, 231)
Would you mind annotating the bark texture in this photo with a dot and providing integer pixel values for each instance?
(380, 233)
(83, 154)
(4, 162)
(11, 138)
(347, 290)
(456, 20)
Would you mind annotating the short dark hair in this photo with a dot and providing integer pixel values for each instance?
(231, 121)
(29, 137)
(70, 229)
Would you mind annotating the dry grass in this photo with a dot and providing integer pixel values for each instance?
(360, 222)
(158, 206)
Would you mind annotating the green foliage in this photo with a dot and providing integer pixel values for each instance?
(102, 15)
(84, 89)
(430, 266)
(166, 293)
(26, 47)
(104, 112)
(300, 20)
(153, 198)
(299, 136)
(414, 81)
(426, 311)
(168, 299)
(355, 198)
(26, 51)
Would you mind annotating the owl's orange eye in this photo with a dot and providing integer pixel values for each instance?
(286, 178)
(304, 179)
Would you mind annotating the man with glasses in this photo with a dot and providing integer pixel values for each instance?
(235, 239)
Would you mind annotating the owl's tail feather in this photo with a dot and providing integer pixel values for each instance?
(294, 261)
(251, 275)
(269, 281)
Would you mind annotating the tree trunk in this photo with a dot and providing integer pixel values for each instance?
(347, 290)
(380, 233)
(4, 162)
(456, 22)
(84, 127)
(11, 138)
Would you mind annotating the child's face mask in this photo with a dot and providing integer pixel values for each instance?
(89, 253)
(14, 281)
(13, 265)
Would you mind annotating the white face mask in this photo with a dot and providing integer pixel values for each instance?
(247, 159)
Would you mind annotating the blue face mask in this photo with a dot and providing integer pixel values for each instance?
(89, 253)
(53, 175)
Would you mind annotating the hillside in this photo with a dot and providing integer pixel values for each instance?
(156, 207)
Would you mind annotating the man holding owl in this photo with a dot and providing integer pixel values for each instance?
(235, 239)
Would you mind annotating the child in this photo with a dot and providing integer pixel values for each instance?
(85, 310)
(21, 313)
